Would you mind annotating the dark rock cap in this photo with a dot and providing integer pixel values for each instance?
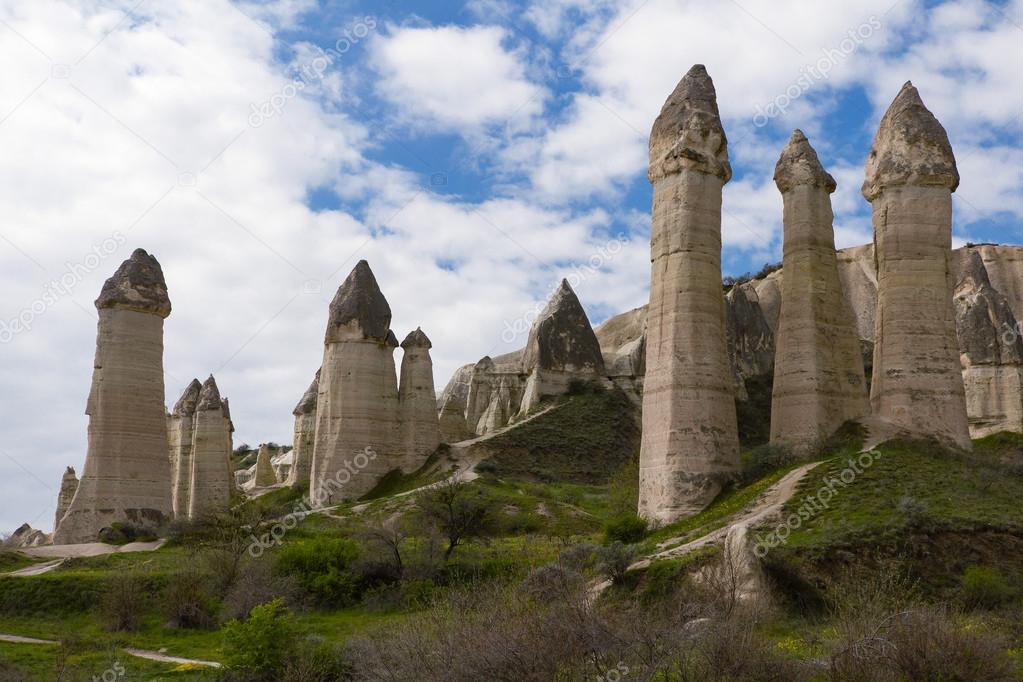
(137, 285)
(417, 339)
(359, 310)
(561, 338)
(910, 148)
(70, 473)
(799, 165)
(186, 404)
(209, 398)
(307, 405)
(688, 132)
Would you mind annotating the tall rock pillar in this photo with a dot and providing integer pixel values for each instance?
(357, 405)
(304, 436)
(690, 441)
(211, 479)
(419, 427)
(911, 173)
(127, 475)
(818, 369)
(179, 439)
(68, 488)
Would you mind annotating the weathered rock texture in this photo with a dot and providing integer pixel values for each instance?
(561, 348)
(127, 475)
(419, 428)
(991, 351)
(211, 479)
(357, 405)
(26, 536)
(180, 427)
(818, 369)
(452, 406)
(690, 442)
(304, 437)
(265, 475)
(910, 176)
(68, 488)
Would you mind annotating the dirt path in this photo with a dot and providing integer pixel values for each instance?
(35, 569)
(158, 656)
(17, 639)
(87, 549)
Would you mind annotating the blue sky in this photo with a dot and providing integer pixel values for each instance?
(473, 152)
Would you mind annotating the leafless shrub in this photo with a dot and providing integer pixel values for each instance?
(256, 584)
(122, 602)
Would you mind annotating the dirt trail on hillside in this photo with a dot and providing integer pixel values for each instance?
(87, 549)
(158, 656)
(35, 569)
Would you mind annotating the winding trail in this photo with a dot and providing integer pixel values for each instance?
(158, 656)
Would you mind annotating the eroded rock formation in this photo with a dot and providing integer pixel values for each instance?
(910, 176)
(264, 476)
(419, 428)
(211, 479)
(991, 351)
(690, 442)
(304, 437)
(127, 475)
(180, 428)
(68, 488)
(818, 370)
(357, 405)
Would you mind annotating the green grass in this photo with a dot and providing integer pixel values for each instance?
(585, 439)
(85, 661)
(395, 482)
(14, 561)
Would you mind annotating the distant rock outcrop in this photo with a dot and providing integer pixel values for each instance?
(690, 438)
(211, 479)
(264, 476)
(818, 369)
(418, 424)
(127, 475)
(26, 536)
(910, 176)
(68, 488)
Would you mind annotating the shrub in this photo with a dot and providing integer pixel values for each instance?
(764, 459)
(550, 581)
(187, 602)
(315, 660)
(122, 533)
(985, 587)
(614, 560)
(321, 567)
(256, 584)
(627, 528)
(458, 512)
(578, 557)
(122, 602)
(260, 644)
(487, 466)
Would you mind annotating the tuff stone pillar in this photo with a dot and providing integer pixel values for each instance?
(179, 437)
(357, 405)
(911, 173)
(690, 441)
(264, 476)
(68, 488)
(304, 436)
(127, 475)
(818, 369)
(211, 479)
(417, 402)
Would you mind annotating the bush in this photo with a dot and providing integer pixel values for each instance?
(256, 584)
(122, 533)
(627, 528)
(260, 645)
(315, 660)
(764, 459)
(122, 602)
(985, 587)
(321, 567)
(187, 602)
(614, 560)
(578, 557)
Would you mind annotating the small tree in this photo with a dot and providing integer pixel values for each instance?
(388, 536)
(260, 645)
(458, 511)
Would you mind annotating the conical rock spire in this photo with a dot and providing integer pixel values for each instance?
(799, 165)
(189, 399)
(137, 285)
(359, 310)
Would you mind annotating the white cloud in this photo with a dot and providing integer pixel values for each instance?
(455, 77)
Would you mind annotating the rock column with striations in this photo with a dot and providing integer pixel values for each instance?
(357, 405)
(211, 479)
(417, 402)
(818, 369)
(690, 442)
(127, 475)
(180, 426)
(911, 173)
(264, 476)
(304, 436)
(68, 488)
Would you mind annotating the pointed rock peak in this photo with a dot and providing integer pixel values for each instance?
(359, 310)
(69, 473)
(910, 148)
(186, 404)
(137, 285)
(417, 339)
(391, 341)
(209, 398)
(561, 338)
(484, 364)
(688, 132)
(307, 405)
(799, 165)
